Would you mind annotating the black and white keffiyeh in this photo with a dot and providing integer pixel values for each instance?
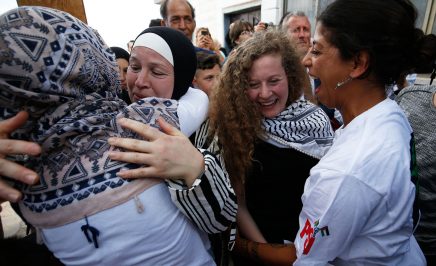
(302, 126)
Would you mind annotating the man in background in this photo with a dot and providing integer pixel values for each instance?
(179, 15)
(297, 27)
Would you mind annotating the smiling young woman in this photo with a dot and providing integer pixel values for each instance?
(270, 137)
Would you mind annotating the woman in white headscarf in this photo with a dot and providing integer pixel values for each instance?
(61, 72)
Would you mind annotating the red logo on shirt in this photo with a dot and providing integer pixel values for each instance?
(307, 231)
(310, 232)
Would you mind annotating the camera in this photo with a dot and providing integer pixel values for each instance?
(204, 32)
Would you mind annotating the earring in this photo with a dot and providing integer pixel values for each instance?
(345, 81)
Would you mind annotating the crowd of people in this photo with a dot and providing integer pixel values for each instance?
(170, 153)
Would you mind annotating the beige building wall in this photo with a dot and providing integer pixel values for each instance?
(272, 10)
(210, 13)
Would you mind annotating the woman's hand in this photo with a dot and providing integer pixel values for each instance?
(10, 147)
(166, 154)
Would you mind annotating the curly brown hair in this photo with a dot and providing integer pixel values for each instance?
(234, 118)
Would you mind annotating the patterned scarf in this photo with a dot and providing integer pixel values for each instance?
(61, 72)
(302, 126)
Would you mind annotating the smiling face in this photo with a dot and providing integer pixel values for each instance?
(268, 85)
(325, 63)
(149, 74)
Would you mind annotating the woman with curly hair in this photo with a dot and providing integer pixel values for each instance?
(269, 136)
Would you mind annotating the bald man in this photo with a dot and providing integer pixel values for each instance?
(179, 15)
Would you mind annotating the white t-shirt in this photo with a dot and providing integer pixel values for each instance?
(192, 110)
(160, 235)
(357, 202)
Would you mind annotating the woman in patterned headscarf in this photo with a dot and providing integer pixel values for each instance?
(61, 72)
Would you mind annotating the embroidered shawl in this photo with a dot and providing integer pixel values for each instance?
(302, 126)
(61, 71)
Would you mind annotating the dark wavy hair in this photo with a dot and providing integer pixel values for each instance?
(426, 59)
(385, 29)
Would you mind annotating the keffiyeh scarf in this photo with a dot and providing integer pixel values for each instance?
(302, 126)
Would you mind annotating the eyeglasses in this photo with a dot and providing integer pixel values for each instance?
(246, 32)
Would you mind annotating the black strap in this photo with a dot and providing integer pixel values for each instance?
(433, 74)
(415, 180)
(86, 229)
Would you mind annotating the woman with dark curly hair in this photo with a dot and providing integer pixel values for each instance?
(268, 134)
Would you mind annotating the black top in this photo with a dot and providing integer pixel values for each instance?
(274, 188)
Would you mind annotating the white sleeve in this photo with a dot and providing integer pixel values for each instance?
(192, 110)
(335, 209)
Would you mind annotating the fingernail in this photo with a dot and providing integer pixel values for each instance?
(31, 179)
(121, 174)
(14, 197)
(122, 120)
(110, 141)
(35, 150)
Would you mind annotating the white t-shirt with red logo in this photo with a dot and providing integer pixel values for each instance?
(357, 202)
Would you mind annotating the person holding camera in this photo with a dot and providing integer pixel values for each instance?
(203, 39)
(260, 25)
